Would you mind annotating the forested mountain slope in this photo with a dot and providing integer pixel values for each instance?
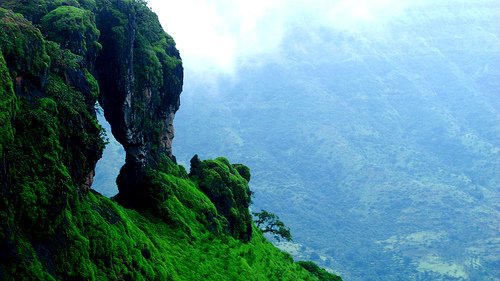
(380, 149)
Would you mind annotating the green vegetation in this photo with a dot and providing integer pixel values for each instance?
(8, 105)
(194, 226)
(74, 28)
(22, 46)
(322, 274)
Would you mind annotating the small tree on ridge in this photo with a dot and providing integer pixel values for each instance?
(268, 222)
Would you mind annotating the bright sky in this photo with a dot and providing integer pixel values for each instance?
(218, 36)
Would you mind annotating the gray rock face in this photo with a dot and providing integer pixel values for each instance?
(140, 73)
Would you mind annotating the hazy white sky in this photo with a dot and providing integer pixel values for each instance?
(218, 36)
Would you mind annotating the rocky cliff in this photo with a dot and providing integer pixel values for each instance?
(140, 74)
(57, 59)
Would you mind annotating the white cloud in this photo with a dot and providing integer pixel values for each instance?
(219, 36)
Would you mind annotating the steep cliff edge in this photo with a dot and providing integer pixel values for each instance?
(57, 58)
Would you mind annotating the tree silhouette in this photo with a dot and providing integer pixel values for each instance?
(268, 222)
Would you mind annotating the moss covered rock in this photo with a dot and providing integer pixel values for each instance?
(23, 48)
(229, 192)
(74, 29)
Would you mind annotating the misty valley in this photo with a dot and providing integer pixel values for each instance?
(340, 140)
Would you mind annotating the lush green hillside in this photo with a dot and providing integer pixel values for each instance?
(57, 58)
(379, 149)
